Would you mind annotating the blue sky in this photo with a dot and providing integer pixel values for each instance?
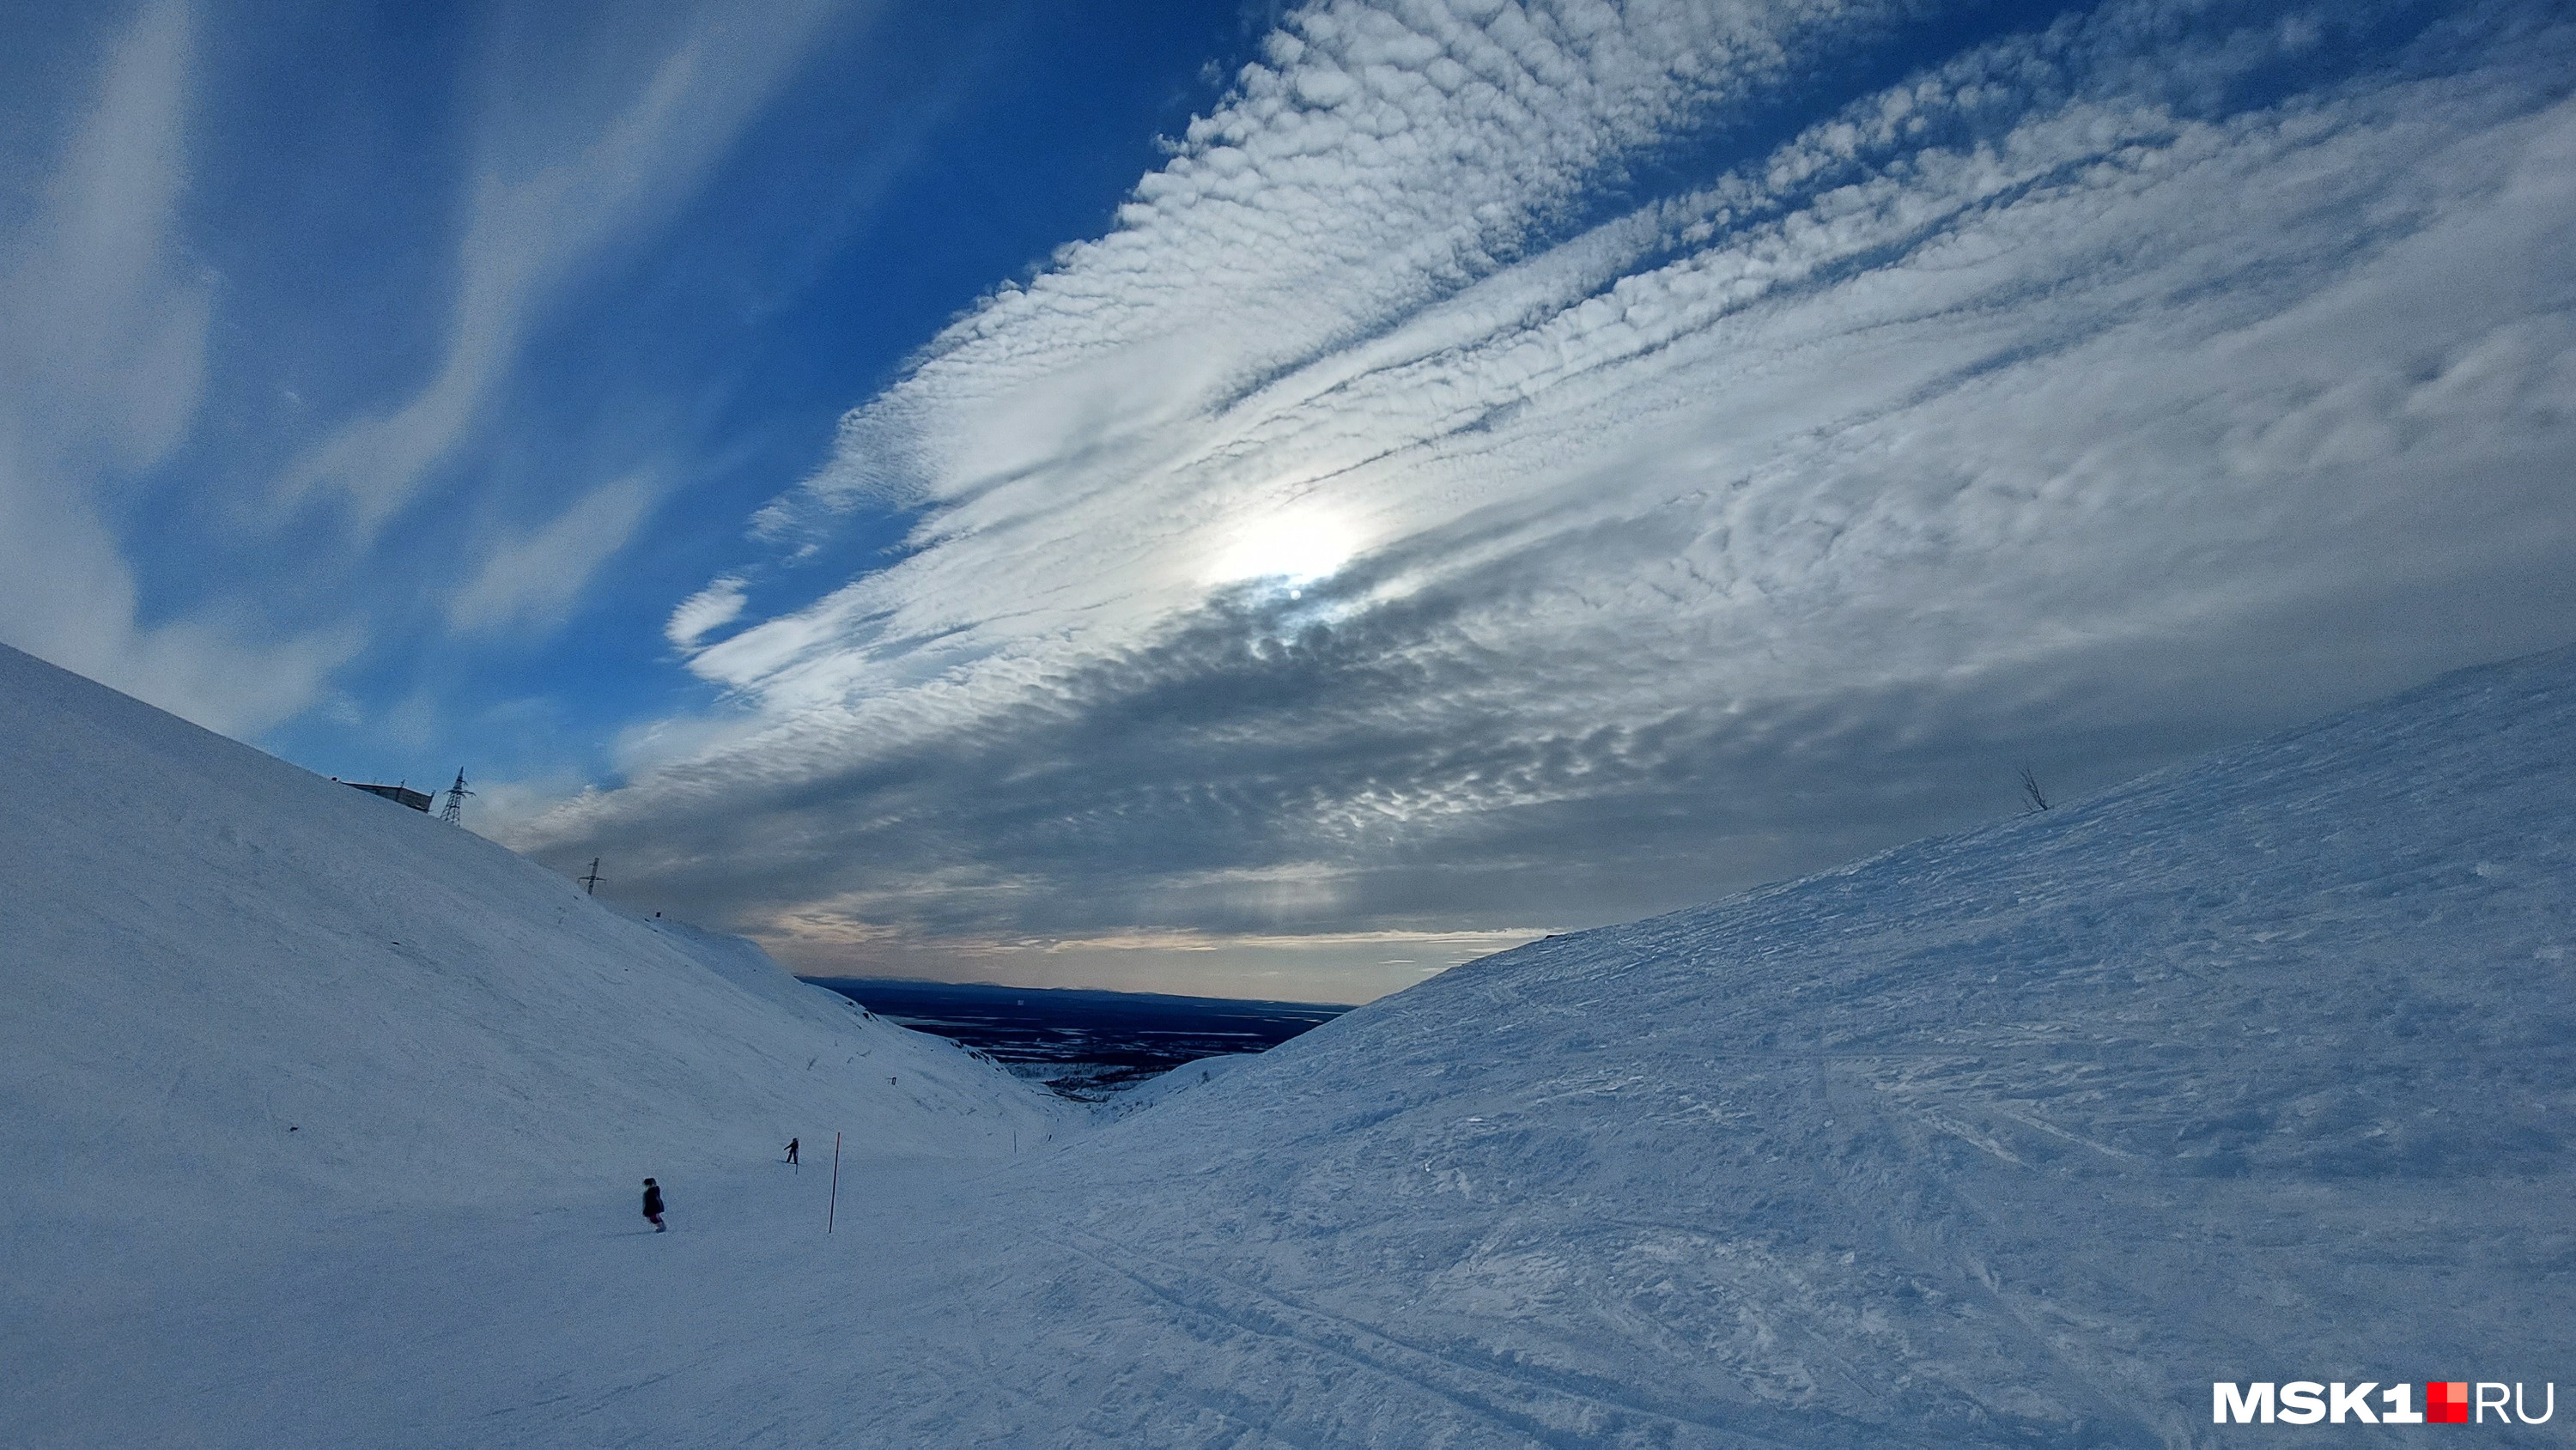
(844, 195)
(1274, 499)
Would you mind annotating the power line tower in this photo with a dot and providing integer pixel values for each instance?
(590, 883)
(454, 811)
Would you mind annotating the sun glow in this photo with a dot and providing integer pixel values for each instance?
(1294, 546)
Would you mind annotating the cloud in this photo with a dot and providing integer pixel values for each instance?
(574, 165)
(532, 580)
(710, 609)
(1308, 967)
(103, 332)
(1370, 536)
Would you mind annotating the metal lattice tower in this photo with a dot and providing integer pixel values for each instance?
(590, 883)
(454, 811)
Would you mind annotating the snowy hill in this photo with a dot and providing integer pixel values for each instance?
(2260, 1068)
(229, 982)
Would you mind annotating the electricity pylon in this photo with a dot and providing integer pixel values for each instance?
(454, 811)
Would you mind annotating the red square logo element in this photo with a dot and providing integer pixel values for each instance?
(2446, 1402)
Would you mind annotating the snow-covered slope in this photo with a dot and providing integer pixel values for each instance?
(1162, 1087)
(2260, 1068)
(226, 980)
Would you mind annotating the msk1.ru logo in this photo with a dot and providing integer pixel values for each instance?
(2305, 1402)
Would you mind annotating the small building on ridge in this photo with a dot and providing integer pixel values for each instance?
(399, 794)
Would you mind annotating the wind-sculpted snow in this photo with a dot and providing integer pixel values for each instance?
(2259, 1069)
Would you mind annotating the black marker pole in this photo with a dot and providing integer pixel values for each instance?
(834, 1211)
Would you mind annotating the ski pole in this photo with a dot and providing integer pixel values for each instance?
(834, 1210)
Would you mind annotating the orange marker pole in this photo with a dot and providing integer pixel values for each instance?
(834, 1211)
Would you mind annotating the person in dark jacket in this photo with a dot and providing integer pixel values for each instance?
(791, 1150)
(653, 1205)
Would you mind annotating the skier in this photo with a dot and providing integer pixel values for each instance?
(653, 1205)
(791, 1150)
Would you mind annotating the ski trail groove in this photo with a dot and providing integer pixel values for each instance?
(1556, 1414)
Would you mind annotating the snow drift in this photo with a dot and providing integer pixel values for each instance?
(230, 981)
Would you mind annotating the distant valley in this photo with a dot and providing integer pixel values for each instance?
(1082, 1043)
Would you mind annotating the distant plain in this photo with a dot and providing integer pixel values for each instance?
(1083, 1043)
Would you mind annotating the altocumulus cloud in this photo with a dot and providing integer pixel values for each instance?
(1380, 539)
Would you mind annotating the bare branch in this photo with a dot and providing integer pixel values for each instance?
(2031, 792)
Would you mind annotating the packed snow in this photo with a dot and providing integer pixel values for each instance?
(2255, 1069)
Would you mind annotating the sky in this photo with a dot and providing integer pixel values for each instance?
(1274, 500)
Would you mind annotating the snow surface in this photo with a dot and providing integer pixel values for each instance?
(2254, 1069)
(1162, 1087)
(238, 1001)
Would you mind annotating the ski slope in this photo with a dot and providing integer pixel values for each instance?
(2258, 1068)
(235, 988)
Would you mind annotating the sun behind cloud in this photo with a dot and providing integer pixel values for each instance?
(1414, 517)
(1296, 545)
